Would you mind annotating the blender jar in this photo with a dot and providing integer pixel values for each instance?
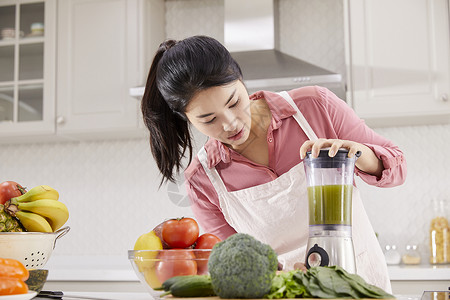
(330, 187)
(440, 234)
(329, 182)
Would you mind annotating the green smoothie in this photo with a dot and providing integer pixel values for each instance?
(330, 204)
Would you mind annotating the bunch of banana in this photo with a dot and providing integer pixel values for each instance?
(39, 209)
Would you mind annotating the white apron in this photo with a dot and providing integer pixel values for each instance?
(276, 213)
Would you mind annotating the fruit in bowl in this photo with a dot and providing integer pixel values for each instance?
(172, 248)
(153, 267)
(36, 210)
(30, 223)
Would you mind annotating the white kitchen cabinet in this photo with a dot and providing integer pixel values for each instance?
(72, 83)
(101, 50)
(27, 68)
(398, 60)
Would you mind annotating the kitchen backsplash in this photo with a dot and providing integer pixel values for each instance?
(111, 187)
(111, 190)
(108, 187)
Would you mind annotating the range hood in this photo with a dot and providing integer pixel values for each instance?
(275, 71)
(249, 34)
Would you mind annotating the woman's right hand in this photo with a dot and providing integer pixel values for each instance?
(300, 266)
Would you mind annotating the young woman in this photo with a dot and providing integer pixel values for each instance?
(249, 176)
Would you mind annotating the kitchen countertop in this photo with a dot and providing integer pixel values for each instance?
(145, 296)
(419, 272)
(118, 268)
(90, 268)
(102, 296)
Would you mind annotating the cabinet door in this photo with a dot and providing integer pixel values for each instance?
(98, 61)
(27, 75)
(399, 58)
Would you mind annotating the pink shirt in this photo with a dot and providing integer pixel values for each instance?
(329, 117)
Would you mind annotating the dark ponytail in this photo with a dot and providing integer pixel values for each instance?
(179, 70)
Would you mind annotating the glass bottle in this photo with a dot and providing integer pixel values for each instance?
(391, 255)
(411, 256)
(440, 234)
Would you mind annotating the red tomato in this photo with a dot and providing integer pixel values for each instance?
(175, 262)
(10, 189)
(180, 233)
(158, 232)
(205, 241)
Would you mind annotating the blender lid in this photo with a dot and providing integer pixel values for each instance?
(342, 153)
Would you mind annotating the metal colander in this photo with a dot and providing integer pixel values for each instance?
(32, 249)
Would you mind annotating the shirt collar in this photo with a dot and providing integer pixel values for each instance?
(217, 152)
(279, 108)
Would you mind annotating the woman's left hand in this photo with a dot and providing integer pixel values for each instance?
(367, 162)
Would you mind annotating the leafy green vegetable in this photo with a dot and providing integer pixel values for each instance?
(339, 285)
(358, 283)
(323, 282)
(284, 286)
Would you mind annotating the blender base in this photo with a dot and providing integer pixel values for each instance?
(331, 251)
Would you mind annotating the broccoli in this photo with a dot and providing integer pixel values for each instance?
(242, 267)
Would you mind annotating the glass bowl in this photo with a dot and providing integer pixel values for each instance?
(153, 267)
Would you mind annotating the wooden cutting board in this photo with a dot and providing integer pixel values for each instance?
(217, 298)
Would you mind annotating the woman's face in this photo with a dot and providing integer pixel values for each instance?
(222, 113)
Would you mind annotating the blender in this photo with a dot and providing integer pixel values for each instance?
(330, 187)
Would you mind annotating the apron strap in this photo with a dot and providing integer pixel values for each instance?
(212, 173)
(299, 117)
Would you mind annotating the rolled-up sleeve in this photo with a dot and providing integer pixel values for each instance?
(348, 126)
(394, 163)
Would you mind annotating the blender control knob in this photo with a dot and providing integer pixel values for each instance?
(317, 256)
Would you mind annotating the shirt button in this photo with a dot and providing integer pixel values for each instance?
(270, 140)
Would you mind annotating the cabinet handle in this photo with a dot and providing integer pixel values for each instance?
(444, 97)
(60, 120)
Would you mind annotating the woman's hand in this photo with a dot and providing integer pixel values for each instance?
(300, 266)
(368, 162)
(334, 144)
